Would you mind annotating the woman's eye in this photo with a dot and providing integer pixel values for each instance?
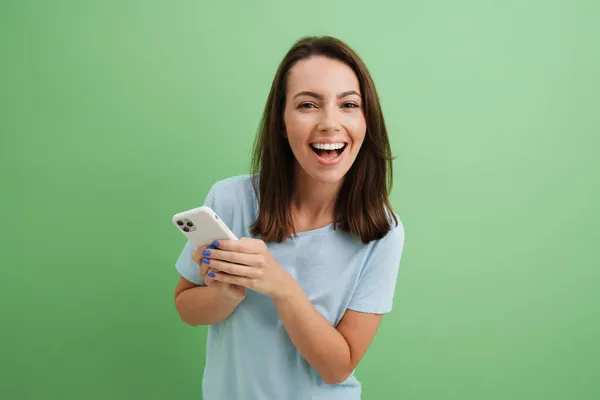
(351, 105)
(307, 105)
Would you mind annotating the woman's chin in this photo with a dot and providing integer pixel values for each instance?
(326, 176)
(331, 177)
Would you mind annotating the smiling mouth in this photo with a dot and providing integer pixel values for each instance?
(329, 151)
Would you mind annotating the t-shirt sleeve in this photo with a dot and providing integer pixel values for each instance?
(377, 283)
(187, 267)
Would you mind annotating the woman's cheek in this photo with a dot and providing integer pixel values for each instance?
(356, 131)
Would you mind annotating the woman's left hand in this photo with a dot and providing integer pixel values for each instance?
(248, 262)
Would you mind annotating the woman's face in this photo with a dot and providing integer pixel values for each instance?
(323, 116)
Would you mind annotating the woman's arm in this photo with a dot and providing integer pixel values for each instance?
(334, 353)
(203, 305)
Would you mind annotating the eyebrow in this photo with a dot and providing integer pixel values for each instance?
(318, 96)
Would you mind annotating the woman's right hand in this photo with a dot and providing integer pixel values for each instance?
(232, 292)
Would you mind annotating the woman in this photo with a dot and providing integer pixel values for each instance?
(295, 303)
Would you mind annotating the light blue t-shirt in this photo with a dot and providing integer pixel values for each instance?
(249, 356)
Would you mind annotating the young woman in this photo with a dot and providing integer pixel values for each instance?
(295, 303)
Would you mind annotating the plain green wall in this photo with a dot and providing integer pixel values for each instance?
(117, 114)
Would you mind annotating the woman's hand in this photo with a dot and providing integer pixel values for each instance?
(248, 263)
(232, 292)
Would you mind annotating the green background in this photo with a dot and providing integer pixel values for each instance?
(118, 114)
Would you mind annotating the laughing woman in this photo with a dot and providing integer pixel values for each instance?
(294, 304)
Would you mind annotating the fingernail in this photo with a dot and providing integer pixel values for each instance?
(212, 275)
(206, 253)
(206, 261)
(211, 247)
(215, 243)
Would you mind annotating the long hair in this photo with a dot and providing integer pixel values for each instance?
(362, 206)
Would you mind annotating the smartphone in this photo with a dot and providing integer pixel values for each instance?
(202, 226)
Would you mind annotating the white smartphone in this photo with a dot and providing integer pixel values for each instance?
(202, 226)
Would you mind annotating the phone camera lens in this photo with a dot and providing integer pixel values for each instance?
(180, 223)
(186, 229)
(190, 224)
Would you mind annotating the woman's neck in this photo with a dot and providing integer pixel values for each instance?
(313, 202)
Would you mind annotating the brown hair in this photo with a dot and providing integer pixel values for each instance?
(362, 205)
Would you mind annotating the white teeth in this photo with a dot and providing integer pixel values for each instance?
(328, 146)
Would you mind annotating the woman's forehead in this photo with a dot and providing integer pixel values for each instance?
(322, 74)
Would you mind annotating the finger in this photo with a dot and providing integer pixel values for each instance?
(203, 270)
(207, 279)
(232, 279)
(234, 269)
(251, 260)
(244, 245)
(197, 254)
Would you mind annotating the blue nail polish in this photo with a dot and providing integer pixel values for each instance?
(206, 261)
(215, 243)
(206, 253)
(211, 247)
(211, 274)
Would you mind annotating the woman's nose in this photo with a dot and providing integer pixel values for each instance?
(329, 120)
